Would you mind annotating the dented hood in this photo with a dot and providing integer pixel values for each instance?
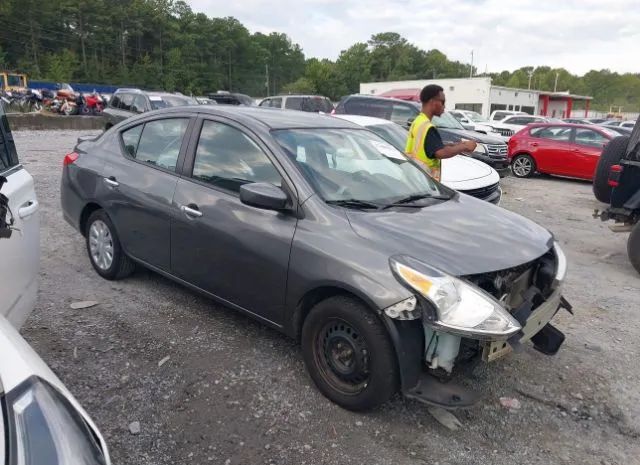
(461, 236)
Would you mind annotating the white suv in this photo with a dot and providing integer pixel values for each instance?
(474, 119)
(310, 103)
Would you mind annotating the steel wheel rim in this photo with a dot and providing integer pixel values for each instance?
(101, 245)
(522, 166)
(342, 357)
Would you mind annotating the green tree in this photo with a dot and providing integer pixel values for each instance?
(300, 86)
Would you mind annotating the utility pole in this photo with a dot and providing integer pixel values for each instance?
(555, 85)
(471, 69)
(266, 72)
(530, 76)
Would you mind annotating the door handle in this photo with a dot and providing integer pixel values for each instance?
(111, 181)
(191, 210)
(534, 144)
(28, 209)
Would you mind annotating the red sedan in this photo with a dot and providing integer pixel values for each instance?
(564, 149)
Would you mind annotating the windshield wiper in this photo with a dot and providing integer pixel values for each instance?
(355, 203)
(414, 197)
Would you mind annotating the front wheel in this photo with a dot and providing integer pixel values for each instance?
(348, 354)
(633, 247)
(104, 248)
(523, 166)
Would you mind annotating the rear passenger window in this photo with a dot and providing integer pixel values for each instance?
(293, 103)
(227, 158)
(160, 142)
(115, 101)
(126, 100)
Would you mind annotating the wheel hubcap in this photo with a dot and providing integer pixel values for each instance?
(101, 245)
(343, 357)
(522, 166)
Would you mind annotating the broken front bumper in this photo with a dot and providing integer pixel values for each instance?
(532, 324)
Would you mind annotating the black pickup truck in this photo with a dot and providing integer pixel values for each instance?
(617, 183)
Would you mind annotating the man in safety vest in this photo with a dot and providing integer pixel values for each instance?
(425, 144)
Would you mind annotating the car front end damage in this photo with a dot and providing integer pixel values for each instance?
(450, 321)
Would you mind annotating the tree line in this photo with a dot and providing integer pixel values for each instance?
(164, 44)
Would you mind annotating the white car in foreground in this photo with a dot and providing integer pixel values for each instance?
(464, 174)
(40, 421)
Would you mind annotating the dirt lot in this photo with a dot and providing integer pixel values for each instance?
(234, 392)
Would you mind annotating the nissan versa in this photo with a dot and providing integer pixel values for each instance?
(321, 229)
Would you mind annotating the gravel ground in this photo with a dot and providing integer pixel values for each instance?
(235, 392)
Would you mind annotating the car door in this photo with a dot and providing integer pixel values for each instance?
(236, 252)
(552, 148)
(139, 183)
(20, 253)
(588, 145)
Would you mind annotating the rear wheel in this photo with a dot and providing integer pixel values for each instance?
(523, 166)
(104, 249)
(633, 247)
(611, 155)
(348, 354)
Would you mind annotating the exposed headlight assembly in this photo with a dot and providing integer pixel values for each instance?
(47, 429)
(461, 307)
(561, 264)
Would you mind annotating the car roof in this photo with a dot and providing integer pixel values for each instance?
(272, 118)
(378, 97)
(364, 120)
(568, 125)
(154, 93)
(296, 95)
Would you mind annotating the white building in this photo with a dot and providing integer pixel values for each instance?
(478, 94)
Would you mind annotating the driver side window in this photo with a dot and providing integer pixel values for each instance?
(227, 158)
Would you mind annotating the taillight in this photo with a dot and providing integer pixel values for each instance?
(70, 158)
(614, 175)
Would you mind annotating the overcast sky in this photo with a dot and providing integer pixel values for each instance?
(578, 35)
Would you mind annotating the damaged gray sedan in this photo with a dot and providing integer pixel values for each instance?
(321, 229)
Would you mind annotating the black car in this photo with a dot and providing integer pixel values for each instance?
(126, 103)
(617, 183)
(232, 98)
(490, 150)
(321, 229)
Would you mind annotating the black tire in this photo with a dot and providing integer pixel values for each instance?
(348, 354)
(519, 166)
(633, 247)
(121, 266)
(611, 155)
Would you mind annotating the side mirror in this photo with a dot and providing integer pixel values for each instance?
(263, 195)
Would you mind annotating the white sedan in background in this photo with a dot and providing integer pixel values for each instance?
(464, 174)
(40, 421)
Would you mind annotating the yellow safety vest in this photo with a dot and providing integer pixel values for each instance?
(415, 145)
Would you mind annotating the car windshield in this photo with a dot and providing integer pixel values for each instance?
(166, 101)
(476, 117)
(395, 134)
(355, 165)
(446, 121)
